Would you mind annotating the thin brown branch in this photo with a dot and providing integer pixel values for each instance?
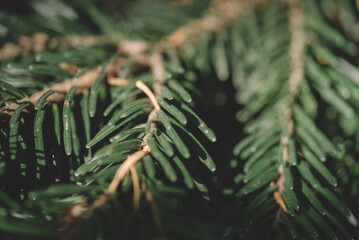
(297, 44)
(140, 85)
(65, 42)
(136, 189)
(151, 117)
(279, 200)
(118, 81)
(158, 70)
(277, 197)
(132, 48)
(221, 13)
(124, 169)
(39, 41)
(85, 81)
(155, 212)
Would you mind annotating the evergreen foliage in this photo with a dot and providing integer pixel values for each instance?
(103, 132)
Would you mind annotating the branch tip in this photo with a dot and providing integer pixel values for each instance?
(140, 85)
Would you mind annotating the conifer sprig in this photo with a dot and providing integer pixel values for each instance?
(125, 122)
(283, 135)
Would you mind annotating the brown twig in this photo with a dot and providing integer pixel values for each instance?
(158, 71)
(85, 81)
(155, 212)
(221, 13)
(124, 169)
(39, 41)
(136, 189)
(118, 81)
(297, 44)
(140, 85)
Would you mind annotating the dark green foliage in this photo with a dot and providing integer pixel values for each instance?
(294, 173)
